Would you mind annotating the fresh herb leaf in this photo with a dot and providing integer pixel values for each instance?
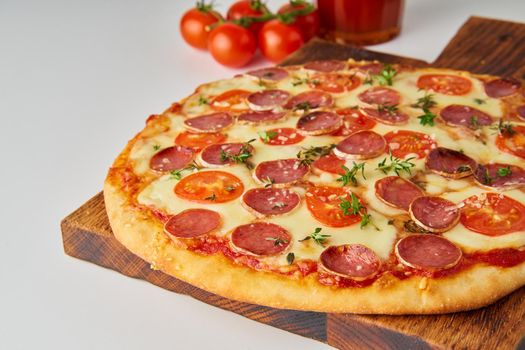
(203, 101)
(386, 76)
(177, 174)
(502, 172)
(480, 101)
(411, 226)
(317, 237)
(390, 109)
(350, 174)
(245, 153)
(303, 106)
(356, 208)
(425, 102)
(397, 165)
(505, 129)
(290, 257)
(368, 80)
(427, 118)
(308, 155)
(268, 182)
(266, 136)
(211, 198)
(487, 179)
(474, 123)
(277, 241)
(463, 169)
(156, 147)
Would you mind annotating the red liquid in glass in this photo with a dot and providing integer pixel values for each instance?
(361, 22)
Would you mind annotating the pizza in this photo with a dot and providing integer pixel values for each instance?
(333, 186)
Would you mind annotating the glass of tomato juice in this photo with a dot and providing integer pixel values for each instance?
(360, 22)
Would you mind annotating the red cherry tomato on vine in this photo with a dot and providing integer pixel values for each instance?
(194, 25)
(277, 40)
(248, 8)
(308, 24)
(232, 45)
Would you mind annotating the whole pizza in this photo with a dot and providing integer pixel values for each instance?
(334, 186)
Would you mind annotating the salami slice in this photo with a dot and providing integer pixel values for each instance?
(521, 112)
(171, 158)
(310, 100)
(386, 116)
(267, 100)
(263, 202)
(380, 96)
(397, 192)
(371, 68)
(255, 117)
(209, 123)
(449, 163)
(427, 252)
(434, 214)
(218, 154)
(354, 261)
(270, 73)
(325, 66)
(261, 239)
(502, 87)
(319, 123)
(500, 176)
(192, 223)
(465, 116)
(363, 144)
(280, 172)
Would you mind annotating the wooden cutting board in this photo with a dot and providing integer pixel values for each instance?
(482, 46)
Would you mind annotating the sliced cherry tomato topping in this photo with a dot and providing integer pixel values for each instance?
(335, 83)
(281, 137)
(210, 187)
(513, 142)
(231, 100)
(353, 121)
(198, 141)
(324, 205)
(493, 214)
(403, 143)
(445, 84)
(330, 164)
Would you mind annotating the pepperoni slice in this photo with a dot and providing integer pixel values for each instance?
(465, 116)
(521, 111)
(171, 158)
(354, 261)
(493, 214)
(280, 172)
(192, 223)
(209, 123)
(330, 163)
(434, 214)
(217, 154)
(267, 99)
(261, 239)
(514, 143)
(323, 203)
(326, 65)
(231, 100)
(380, 96)
(319, 123)
(364, 144)
(353, 121)
(264, 202)
(198, 141)
(270, 73)
(282, 137)
(254, 117)
(427, 252)
(445, 84)
(502, 87)
(310, 100)
(385, 116)
(397, 192)
(371, 68)
(334, 83)
(449, 163)
(209, 187)
(406, 143)
(499, 175)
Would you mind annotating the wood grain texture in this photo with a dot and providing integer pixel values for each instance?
(482, 46)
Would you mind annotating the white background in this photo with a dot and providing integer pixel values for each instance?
(77, 80)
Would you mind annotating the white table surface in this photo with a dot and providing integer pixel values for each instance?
(77, 80)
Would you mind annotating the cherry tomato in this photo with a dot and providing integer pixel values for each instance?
(209, 187)
(513, 142)
(403, 143)
(330, 163)
(277, 40)
(324, 204)
(445, 84)
(232, 45)
(307, 24)
(198, 141)
(195, 23)
(247, 8)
